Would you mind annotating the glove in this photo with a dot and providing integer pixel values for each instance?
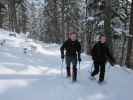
(79, 59)
(112, 64)
(62, 56)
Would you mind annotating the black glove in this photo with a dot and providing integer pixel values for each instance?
(62, 56)
(112, 64)
(79, 59)
(112, 61)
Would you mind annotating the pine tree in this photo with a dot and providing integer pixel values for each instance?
(62, 17)
(129, 60)
(33, 21)
(22, 16)
(1, 14)
(13, 24)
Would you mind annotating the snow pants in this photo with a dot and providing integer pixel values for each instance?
(99, 67)
(71, 60)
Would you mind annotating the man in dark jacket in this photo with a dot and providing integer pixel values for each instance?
(73, 50)
(100, 54)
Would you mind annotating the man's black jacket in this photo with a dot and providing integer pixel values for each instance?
(73, 48)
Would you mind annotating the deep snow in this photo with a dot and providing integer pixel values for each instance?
(37, 74)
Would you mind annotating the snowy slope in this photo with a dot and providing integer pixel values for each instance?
(37, 75)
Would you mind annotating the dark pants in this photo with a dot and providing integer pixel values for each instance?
(71, 60)
(99, 67)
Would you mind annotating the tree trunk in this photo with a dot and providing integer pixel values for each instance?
(1, 17)
(107, 20)
(62, 22)
(86, 33)
(129, 60)
(12, 16)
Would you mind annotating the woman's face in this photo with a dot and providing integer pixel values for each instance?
(103, 39)
(73, 37)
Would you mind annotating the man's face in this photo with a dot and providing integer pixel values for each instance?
(73, 37)
(103, 39)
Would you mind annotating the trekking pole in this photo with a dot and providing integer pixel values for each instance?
(79, 68)
(62, 61)
(108, 70)
(79, 65)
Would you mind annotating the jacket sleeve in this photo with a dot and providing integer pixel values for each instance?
(110, 56)
(79, 50)
(63, 47)
(93, 50)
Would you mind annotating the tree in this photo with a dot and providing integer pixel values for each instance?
(53, 27)
(107, 19)
(129, 60)
(1, 14)
(13, 24)
(33, 22)
(22, 16)
(62, 17)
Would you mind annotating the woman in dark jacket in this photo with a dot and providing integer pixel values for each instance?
(100, 54)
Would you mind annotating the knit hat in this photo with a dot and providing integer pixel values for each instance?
(71, 33)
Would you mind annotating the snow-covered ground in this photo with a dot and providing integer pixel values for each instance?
(37, 74)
